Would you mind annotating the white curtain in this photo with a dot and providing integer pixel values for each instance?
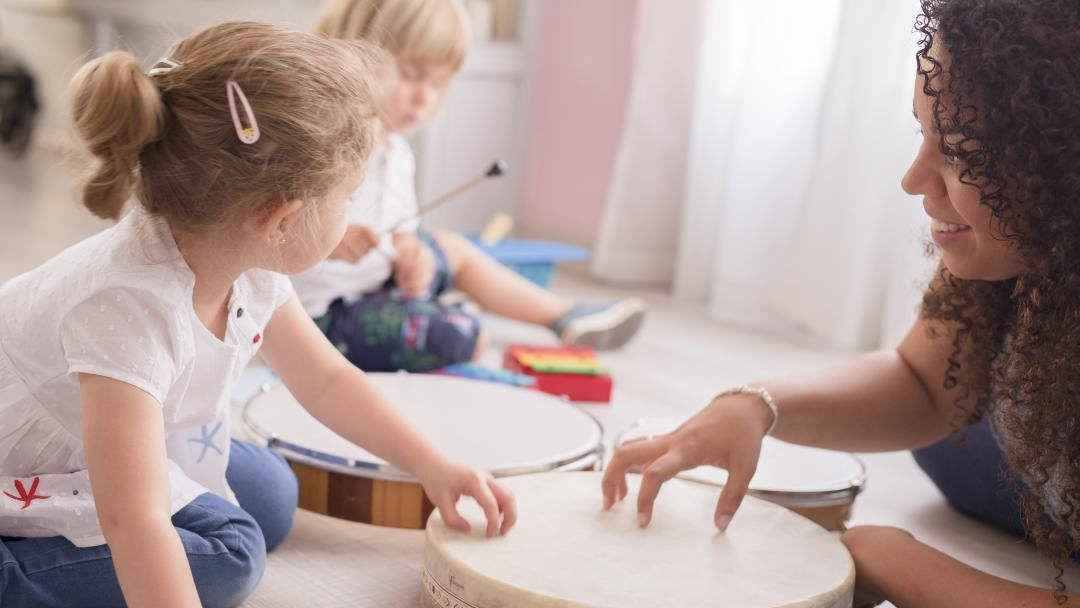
(760, 165)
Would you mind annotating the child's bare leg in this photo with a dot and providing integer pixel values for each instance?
(891, 565)
(497, 288)
(502, 291)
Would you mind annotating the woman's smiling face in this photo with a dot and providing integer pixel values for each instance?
(970, 240)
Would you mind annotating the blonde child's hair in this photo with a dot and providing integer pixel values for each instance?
(169, 138)
(428, 32)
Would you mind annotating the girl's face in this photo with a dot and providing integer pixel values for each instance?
(415, 95)
(310, 240)
(963, 228)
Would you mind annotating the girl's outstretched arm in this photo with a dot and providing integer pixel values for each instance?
(340, 396)
(891, 565)
(123, 433)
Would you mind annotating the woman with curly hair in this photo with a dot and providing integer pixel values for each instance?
(997, 98)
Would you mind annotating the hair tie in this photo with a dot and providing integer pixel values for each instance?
(250, 134)
(164, 66)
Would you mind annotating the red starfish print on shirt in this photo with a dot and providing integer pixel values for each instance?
(26, 497)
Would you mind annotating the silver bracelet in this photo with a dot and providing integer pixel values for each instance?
(763, 395)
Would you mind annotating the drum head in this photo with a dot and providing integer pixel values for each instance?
(782, 467)
(566, 551)
(498, 428)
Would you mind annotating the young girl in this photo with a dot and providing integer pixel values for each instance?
(376, 298)
(117, 356)
(998, 101)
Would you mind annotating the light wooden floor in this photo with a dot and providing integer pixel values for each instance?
(680, 359)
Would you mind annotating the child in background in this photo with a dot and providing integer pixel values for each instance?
(120, 485)
(377, 299)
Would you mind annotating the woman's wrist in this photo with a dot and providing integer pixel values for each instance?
(758, 401)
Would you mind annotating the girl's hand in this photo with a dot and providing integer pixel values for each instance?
(447, 481)
(726, 434)
(356, 243)
(344, 399)
(414, 266)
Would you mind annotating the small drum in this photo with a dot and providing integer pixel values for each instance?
(818, 484)
(493, 427)
(567, 552)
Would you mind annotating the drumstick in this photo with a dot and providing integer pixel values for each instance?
(496, 169)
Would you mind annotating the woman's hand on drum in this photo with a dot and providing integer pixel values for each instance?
(726, 434)
(446, 481)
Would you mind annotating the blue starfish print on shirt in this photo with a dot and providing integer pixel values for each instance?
(207, 441)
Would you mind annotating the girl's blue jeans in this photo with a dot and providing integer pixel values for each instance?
(226, 545)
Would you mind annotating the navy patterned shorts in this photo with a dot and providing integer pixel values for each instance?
(384, 331)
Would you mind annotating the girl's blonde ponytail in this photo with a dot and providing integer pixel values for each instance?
(117, 111)
(168, 141)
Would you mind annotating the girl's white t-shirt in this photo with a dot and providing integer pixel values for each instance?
(118, 305)
(386, 196)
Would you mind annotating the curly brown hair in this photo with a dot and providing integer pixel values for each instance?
(1006, 101)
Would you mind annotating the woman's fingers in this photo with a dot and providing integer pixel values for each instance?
(740, 471)
(626, 457)
(653, 476)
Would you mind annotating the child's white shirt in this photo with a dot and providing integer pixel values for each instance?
(116, 305)
(386, 196)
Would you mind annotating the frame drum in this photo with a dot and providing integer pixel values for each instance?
(566, 552)
(493, 427)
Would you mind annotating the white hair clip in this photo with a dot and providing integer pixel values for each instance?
(164, 66)
(249, 134)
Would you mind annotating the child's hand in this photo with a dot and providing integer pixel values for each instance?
(414, 266)
(447, 481)
(356, 243)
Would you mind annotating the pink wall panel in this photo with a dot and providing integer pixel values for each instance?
(576, 110)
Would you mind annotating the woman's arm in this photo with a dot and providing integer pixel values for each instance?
(340, 396)
(891, 565)
(887, 400)
(882, 401)
(123, 434)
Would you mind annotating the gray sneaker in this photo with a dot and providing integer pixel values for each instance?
(601, 326)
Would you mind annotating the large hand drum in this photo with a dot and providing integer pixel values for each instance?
(493, 427)
(566, 552)
(818, 484)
